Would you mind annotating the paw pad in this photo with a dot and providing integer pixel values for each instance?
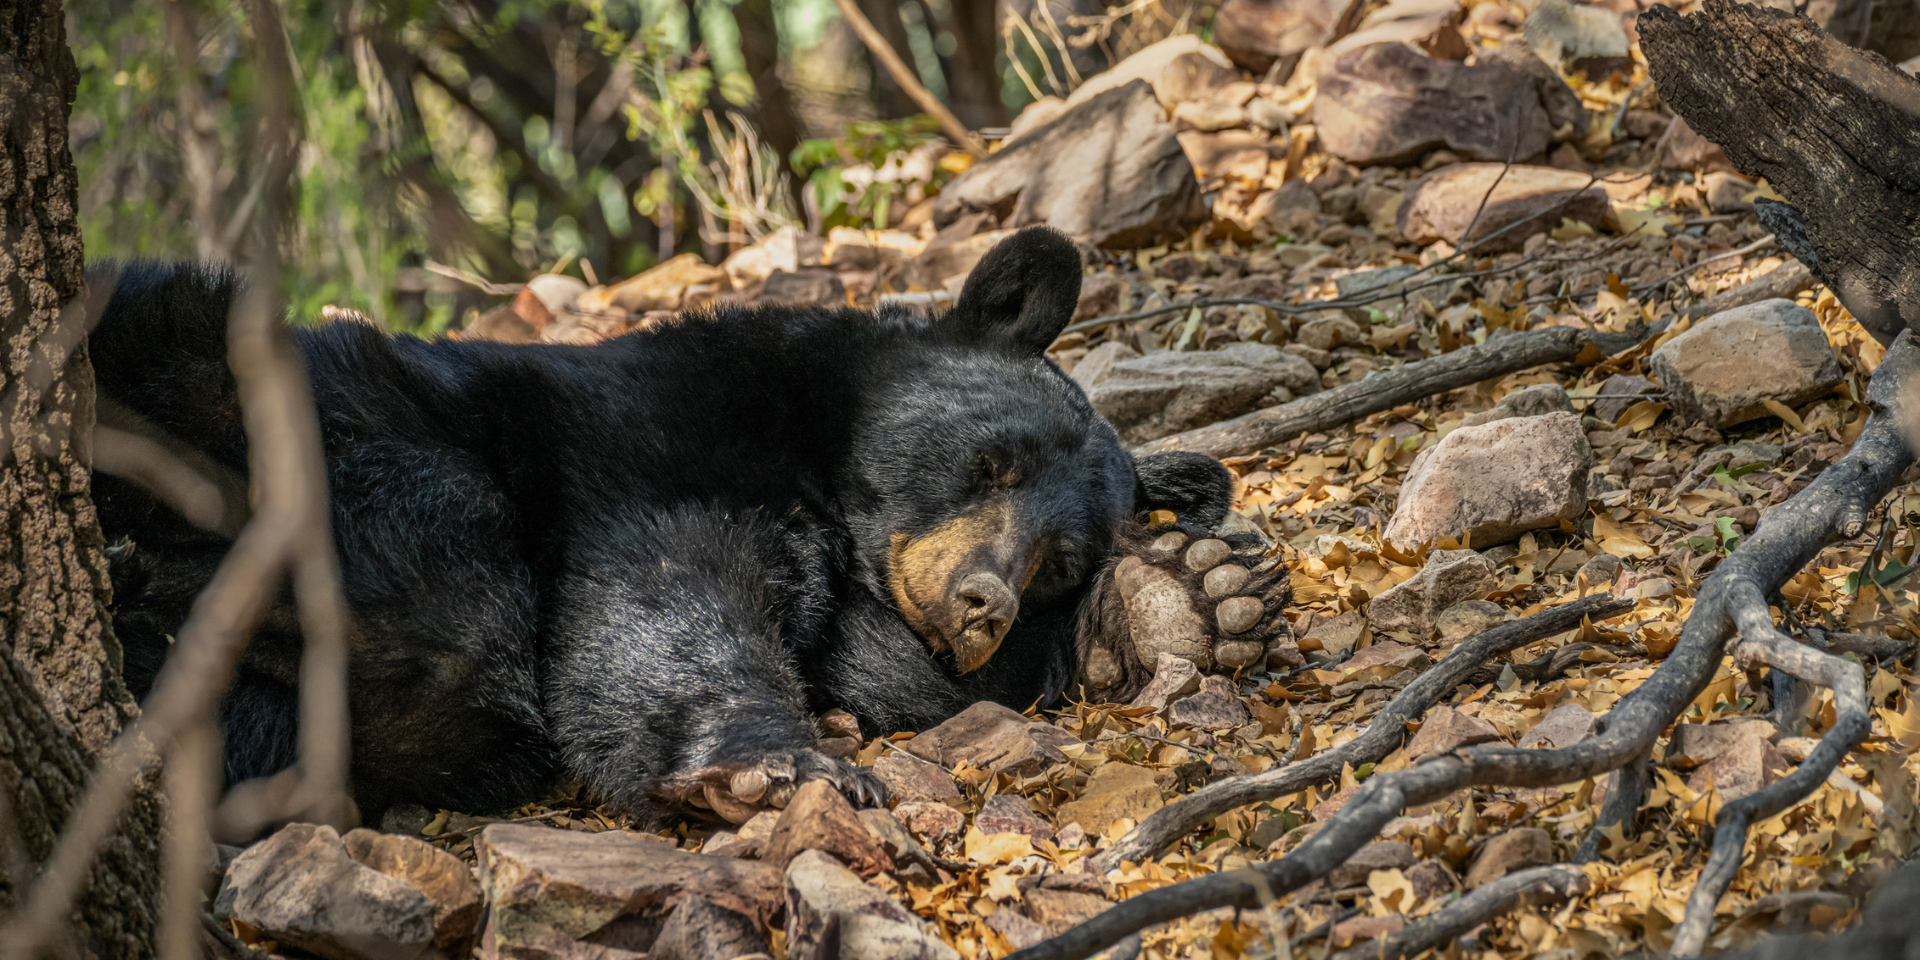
(1199, 599)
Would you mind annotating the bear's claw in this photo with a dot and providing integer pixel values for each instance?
(737, 791)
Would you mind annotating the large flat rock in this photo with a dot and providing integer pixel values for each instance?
(1388, 103)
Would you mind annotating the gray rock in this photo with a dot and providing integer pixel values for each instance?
(1621, 383)
(1537, 400)
(1468, 618)
(1378, 855)
(1009, 813)
(1494, 482)
(1215, 707)
(1388, 103)
(699, 929)
(1166, 392)
(1531, 200)
(825, 900)
(1173, 677)
(301, 887)
(1516, 849)
(1256, 33)
(1720, 371)
(1098, 363)
(1568, 724)
(992, 736)
(1575, 38)
(808, 285)
(1565, 112)
(910, 778)
(1449, 577)
(1109, 172)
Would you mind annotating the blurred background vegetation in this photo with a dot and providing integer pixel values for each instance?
(499, 138)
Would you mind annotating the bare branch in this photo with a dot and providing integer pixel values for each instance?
(1558, 881)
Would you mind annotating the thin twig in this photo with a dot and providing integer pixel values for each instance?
(1558, 880)
(902, 75)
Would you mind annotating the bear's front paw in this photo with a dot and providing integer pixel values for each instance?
(737, 791)
(1209, 597)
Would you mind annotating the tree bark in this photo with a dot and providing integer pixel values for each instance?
(1836, 131)
(61, 694)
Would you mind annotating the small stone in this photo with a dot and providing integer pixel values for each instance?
(1239, 614)
(1007, 813)
(432, 871)
(1576, 38)
(820, 818)
(1327, 331)
(1102, 294)
(1449, 577)
(827, 902)
(1378, 855)
(1340, 634)
(908, 778)
(1256, 33)
(1268, 116)
(1529, 200)
(1495, 482)
(1173, 678)
(699, 929)
(1057, 910)
(1568, 724)
(1169, 391)
(894, 838)
(1241, 154)
(1114, 791)
(1234, 654)
(931, 821)
(1468, 618)
(806, 286)
(1431, 879)
(1710, 373)
(1601, 569)
(1225, 580)
(992, 736)
(1388, 103)
(1693, 744)
(1611, 408)
(1215, 707)
(1729, 193)
(1534, 401)
(1515, 849)
(1747, 765)
(1207, 554)
(1446, 730)
(1019, 931)
(1209, 115)
(1071, 837)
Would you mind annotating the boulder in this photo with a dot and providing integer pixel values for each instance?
(1710, 373)
(1256, 33)
(992, 736)
(1449, 577)
(832, 913)
(1097, 365)
(301, 887)
(699, 929)
(1494, 482)
(1166, 392)
(1515, 849)
(1565, 113)
(1108, 171)
(1530, 200)
(434, 872)
(542, 883)
(1537, 400)
(1388, 103)
(1576, 38)
(1171, 66)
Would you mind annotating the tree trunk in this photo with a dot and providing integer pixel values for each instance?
(61, 694)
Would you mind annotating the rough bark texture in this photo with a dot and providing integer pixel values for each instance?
(1832, 129)
(61, 696)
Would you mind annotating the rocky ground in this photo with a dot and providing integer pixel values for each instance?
(1409, 531)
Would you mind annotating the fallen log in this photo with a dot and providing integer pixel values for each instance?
(1390, 388)
(1835, 130)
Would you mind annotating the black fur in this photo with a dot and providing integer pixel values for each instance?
(644, 561)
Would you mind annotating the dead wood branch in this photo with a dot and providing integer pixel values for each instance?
(904, 76)
(1558, 881)
(1390, 388)
(1834, 505)
(1167, 825)
(1834, 129)
(1783, 282)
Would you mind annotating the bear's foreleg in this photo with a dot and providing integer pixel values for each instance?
(671, 681)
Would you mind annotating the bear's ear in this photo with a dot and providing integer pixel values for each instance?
(1020, 295)
(1196, 487)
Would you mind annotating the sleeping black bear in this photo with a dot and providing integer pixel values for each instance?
(652, 563)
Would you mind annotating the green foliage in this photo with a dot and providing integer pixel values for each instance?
(848, 176)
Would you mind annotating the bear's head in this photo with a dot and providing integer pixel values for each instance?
(991, 487)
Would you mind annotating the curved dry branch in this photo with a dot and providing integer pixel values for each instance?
(1835, 504)
(1167, 825)
(1559, 881)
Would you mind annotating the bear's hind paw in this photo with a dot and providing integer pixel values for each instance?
(1210, 598)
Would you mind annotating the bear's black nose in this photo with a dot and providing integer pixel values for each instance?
(991, 604)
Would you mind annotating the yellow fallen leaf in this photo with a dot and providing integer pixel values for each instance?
(1785, 413)
(1904, 725)
(992, 848)
(1645, 223)
(1571, 229)
(1641, 415)
(1618, 540)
